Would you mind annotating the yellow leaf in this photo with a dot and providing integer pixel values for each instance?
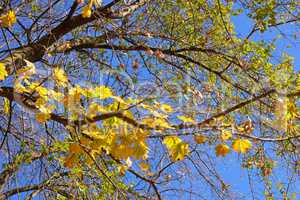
(36, 87)
(166, 108)
(60, 77)
(171, 141)
(180, 151)
(200, 139)
(140, 150)
(186, 119)
(160, 122)
(75, 148)
(122, 151)
(44, 114)
(144, 166)
(102, 92)
(222, 150)
(241, 145)
(71, 160)
(86, 12)
(3, 72)
(8, 19)
(6, 105)
(226, 135)
(177, 149)
(40, 102)
(42, 117)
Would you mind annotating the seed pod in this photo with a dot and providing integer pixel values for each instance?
(135, 65)
(159, 54)
(148, 35)
(149, 52)
(122, 66)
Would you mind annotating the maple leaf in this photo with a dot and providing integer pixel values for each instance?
(222, 150)
(200, 139)
(177, 149)
(241, 145)
(171, 141)
(180, 151)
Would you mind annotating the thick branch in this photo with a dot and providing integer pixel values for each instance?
(36, 51)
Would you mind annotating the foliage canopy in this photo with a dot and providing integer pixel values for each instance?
(148, 99)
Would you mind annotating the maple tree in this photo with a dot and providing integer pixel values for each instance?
(143, 99)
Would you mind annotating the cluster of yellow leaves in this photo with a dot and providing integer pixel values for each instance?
(238, 145)
(47, 97)
(115, 137)
(158, 115)
(42, 103)
(8, 19)
(130, 145)
(176, 147)
(76, 150)
(23, 84)
(3, 72)
(121, 146)
(127, 144)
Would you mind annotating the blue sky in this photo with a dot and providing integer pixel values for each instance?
(286, 42)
